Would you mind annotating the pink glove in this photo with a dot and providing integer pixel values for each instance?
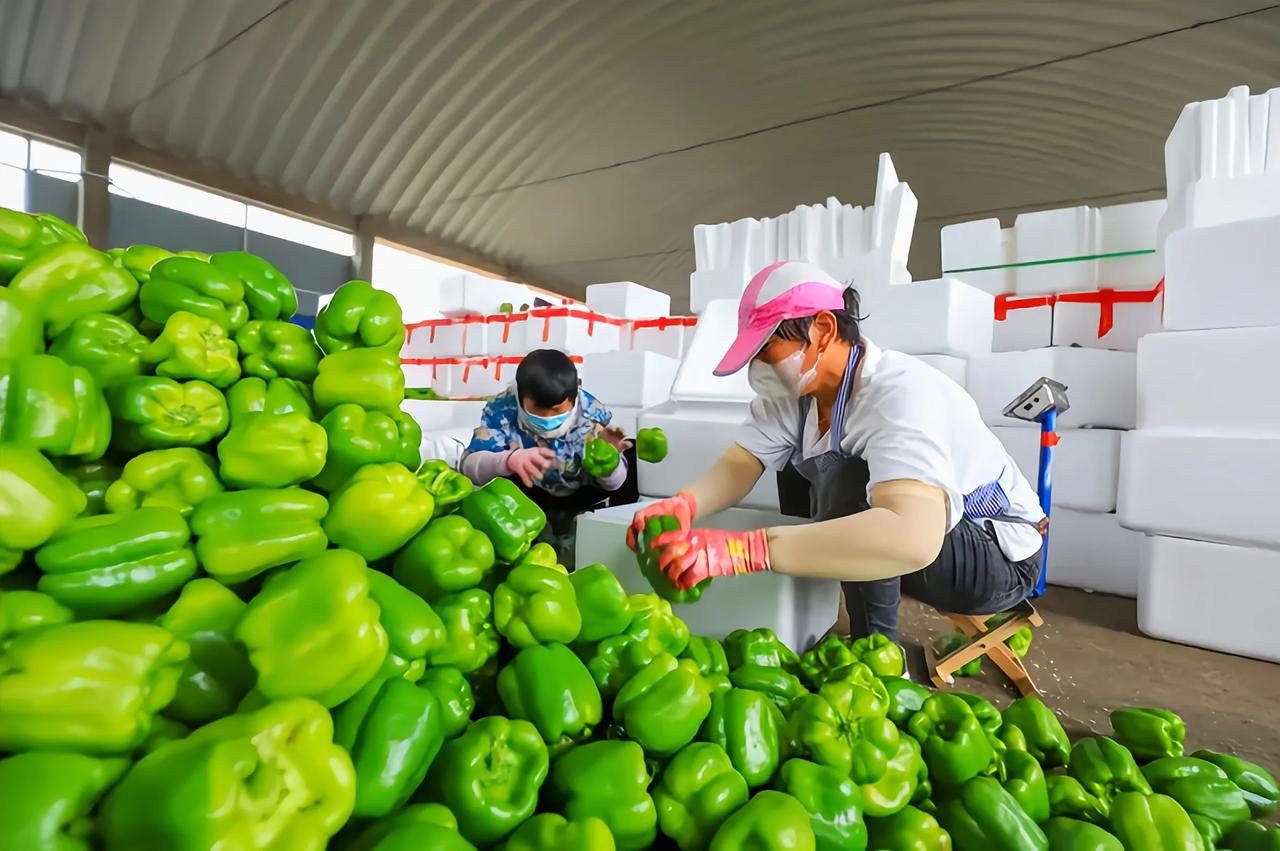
(681, 507)
(529, 464)
(690, 556)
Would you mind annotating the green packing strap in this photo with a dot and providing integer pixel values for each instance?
(1023, 264)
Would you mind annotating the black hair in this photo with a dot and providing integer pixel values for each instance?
(847, 321)
(546, 378)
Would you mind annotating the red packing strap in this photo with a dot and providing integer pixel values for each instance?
(433, 324)
(1006, 302)
(546, 314)
(1107, 299)
(505, 320)
(662, 323)
(1048, 438)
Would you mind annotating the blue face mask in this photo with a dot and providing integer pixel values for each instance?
(547, 424)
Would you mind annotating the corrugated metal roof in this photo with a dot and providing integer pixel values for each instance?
(581, 140)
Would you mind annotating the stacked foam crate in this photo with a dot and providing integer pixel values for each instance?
(1197, 475)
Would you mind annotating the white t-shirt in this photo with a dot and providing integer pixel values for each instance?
(909, 421)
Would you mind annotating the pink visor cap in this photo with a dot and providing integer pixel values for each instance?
(786, 290)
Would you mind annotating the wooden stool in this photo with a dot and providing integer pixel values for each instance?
(989, 643)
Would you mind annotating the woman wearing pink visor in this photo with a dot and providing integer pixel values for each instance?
(910, 491)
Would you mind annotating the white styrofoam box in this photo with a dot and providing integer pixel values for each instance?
(1211, 595)
(799, 611)
(716, 330)
(572, 329)
(435, 373)
(662, 335)
(1130, 227)
(442, 414)
(1086, 464)
(436, 338)
(506, 334)
(952, 367)
(1022, 323)
(472, 377)
(1092, 551)
(1224, 276)
(468, 294)
(1056, 235)
(939, 317)
(445, 444)
(638, 379)
(1208, 487)
(626, 418)
(697, 434)
(975, 245)
(1100, 384)
(1106, 319)
(1207, 381)
(627, 300)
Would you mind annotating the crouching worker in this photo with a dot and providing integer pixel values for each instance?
(910, 491)
(537, 433)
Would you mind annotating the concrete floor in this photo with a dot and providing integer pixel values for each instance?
(1089, 658)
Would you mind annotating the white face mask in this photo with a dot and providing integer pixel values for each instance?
(783, 379)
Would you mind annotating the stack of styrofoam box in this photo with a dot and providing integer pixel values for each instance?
(866, 246)
(1198, 474)
(943, 322)
(628, 383)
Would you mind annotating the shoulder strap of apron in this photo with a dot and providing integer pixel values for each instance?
(842, 400)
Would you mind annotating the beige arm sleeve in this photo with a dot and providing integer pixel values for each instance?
(901, 533)
(730, 479)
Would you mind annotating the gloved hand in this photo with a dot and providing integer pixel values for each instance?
(529, 464)
(687, 557)
(681, 506)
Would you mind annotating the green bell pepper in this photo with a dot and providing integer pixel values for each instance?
(599, 458)
(946, 644)
(1024, 779)
(21, 331)
(825, 660)
(905, 698)
(655, 625)
(49, 796)
(1251, 836)
(267, 292)
(108, 347)
(413, 828)
(880, 654)
(70, 280)
(446, 485)
(901, 781)
(782, 687)
(1257, 784)
(1068, 798)
(192, 346)
(414, 630)
(21, 611)
(651, 445)
(358, 437)
(1160, 771)
(24, 236)
(370, 378)
(1147, 822)
(468, 623)
(551, 832)
(240, 534)
(759, 647)
(909, 829)
(446, 557)
(359, 316)
(271, 778)
(1214, 803)
(1068, 834)
(955, 747)
(453, 692)
(507, 517)
(833, 802)
(746, 725)
(378, 510)
(94, 479)
(490, 775)
(699, 788)
(1104, 768)
(89, 686)
(844, 726)
(50, 405)
(275, 349)
(192, 285)
(550, 688)
(984, 710)
(535, 605)
(602, 603)
(277, 396)
(217, 675)
(662, 706)
(393, 730)
(312, 630)
(984, 817)
(156, 413)
(1148, 733)
(647, 559)
(771, 821)
(1045, 738)
(180, 478)
(608, 780)
(114, 563)
(708, 655)
(264, 450)
(35, 502)
(613, 660)
(139, 260)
